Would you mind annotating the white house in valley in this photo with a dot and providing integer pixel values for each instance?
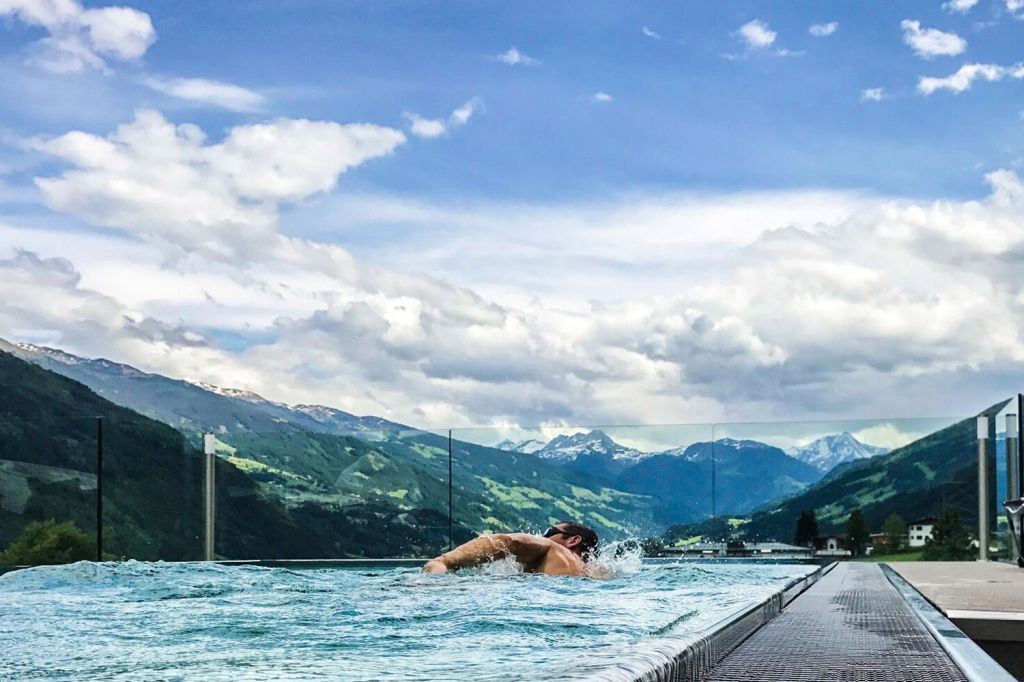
(920, 531)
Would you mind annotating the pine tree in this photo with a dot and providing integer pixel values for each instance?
(806, 529)
(856, 533)
(949, 541)
(895, 529)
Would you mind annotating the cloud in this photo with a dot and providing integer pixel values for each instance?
(210, 92)
(666, 308)
(514, 57)
(436, 127)
(873, 94)
(161, 180)
(1014, 7)
(651, 34)
(823, 30)
(959, 6)
(601, 97)
(756, 34)
(966, 75)
(82, 38)
(425, 127)
(928, 43)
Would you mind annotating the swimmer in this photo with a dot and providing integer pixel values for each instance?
(564, 549)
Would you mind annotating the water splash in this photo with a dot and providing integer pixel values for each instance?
(616, 560)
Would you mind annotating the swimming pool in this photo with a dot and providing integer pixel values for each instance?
(139, 620)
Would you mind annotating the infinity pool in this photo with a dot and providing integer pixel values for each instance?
(208, 622)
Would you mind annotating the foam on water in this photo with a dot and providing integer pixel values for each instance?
(197, 621)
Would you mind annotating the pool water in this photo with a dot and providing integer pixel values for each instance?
(139, 620)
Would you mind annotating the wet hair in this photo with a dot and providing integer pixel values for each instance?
(588, 538)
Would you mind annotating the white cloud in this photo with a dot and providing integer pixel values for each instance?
(82, 38)
(601, 97)
(160, 180)
(513, 57)
(823, 30)
(425, 127)
(959, 6)
(462, 115)
(930, 42)
(665, 308)
(1014, 7)
(436, 127)
(872, 94)
(651, 34)
(967, 74)
(211, 92)
(756, 34)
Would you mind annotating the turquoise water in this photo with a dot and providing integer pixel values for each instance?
(135, 620)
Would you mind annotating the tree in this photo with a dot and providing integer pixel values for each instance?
(49, 542)
(806, 529)
(856, 533)
(949, 541)
(894, 529)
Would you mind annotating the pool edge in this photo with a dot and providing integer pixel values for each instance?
(693, 660)
(973, 661)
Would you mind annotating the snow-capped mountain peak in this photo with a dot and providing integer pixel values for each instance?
(830, 451)
(592, 443)
(237, 393)
(527, 446)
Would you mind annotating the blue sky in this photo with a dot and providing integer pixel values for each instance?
(705, 205)
(682, 115)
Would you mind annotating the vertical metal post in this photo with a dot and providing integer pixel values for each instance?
(1019, 459)
(209, 495)
(99, 488)
(983, 502)
(713, 500)
(451, 543)
(1012, 461)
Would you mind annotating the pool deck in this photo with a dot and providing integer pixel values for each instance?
(985, 599)
(856, 624)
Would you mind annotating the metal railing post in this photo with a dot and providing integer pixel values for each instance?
(1012, 461)
(451, 528)
(983, 501)
(209, 496)
(99, 488)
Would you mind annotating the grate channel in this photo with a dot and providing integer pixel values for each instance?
(852, 626)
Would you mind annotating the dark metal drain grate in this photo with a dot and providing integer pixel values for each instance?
(852, 626)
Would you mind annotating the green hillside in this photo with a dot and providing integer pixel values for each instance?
(304, 456)
(153, 485)
(493, 490)
(920, 479)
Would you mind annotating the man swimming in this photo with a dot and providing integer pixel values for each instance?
(564, 549)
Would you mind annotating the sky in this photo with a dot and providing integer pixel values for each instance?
(525, 215)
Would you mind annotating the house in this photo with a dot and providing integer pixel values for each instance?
(920, 531)
(832, 546)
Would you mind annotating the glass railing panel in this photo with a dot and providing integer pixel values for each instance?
(365, 493)
(648, 483)
(999, 545)
(152, 490)
(844, 487)
(48, 487)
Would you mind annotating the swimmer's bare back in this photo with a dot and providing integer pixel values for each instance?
(536, 555)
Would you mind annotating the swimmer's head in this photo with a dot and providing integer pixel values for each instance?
(574, 537)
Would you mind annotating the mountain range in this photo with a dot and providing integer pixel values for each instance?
(336, 483)
(281, 437)
(315, 456)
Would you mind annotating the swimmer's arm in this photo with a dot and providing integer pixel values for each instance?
(526, 549)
